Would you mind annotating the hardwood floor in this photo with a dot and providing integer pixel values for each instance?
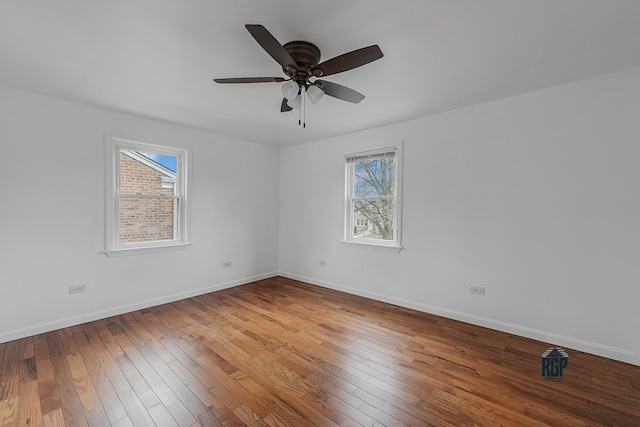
(284, 353)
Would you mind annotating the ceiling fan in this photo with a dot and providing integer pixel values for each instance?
(300, 62)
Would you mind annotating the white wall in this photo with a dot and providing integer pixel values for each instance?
(51, 216)
(535, 197)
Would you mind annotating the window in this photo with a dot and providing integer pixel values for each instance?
(373, 198)
(145, 197)
(361, 222)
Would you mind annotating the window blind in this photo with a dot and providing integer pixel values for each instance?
(384, 153)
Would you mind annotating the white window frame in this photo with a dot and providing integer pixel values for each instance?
(349, 240)
(113, 247)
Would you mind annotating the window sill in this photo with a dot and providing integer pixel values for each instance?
(146, 250)
(371, 246)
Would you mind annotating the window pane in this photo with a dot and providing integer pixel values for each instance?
(374, 177)
(373, 219)
(145, 220)
(146, 173)
(168, 162)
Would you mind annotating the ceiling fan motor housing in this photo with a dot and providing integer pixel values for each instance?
(307, 56)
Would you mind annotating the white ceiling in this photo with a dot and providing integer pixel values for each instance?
(157, 58)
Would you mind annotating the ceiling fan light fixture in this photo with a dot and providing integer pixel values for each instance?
(314, 93)
(290, 90)
(295, 102)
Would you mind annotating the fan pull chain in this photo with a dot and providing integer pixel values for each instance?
(300, 108)
(304, 113)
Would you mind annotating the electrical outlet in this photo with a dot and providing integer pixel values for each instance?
(77, 289)
(323, 263)
(226, 264)
(478, 290)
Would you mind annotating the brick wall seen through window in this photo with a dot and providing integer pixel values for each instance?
(144, 219)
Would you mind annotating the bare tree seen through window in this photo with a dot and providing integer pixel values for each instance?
(373, 198)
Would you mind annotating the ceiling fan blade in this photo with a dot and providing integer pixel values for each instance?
(285, 107)
(251, 80)
(338, 91)
(271, 46)
(349, 60)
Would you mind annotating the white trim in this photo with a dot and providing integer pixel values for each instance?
(147, 196)
(374, 150)
(127, 308)
(113, 144)
(145, 250)
(610, 352)
(597, 349)
(372, 246)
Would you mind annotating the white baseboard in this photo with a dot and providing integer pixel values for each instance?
(614, 353)
(547, 337)
(89, 317)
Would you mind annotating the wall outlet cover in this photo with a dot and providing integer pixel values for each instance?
(478, 290)
(77, 289)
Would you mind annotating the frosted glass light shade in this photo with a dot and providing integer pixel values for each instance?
(290, 89)
(295, 102)
(314, 93)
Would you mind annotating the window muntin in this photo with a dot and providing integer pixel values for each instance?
(146, 196)
(372, 214)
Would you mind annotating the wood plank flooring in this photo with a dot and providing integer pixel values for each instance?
(284, 353)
